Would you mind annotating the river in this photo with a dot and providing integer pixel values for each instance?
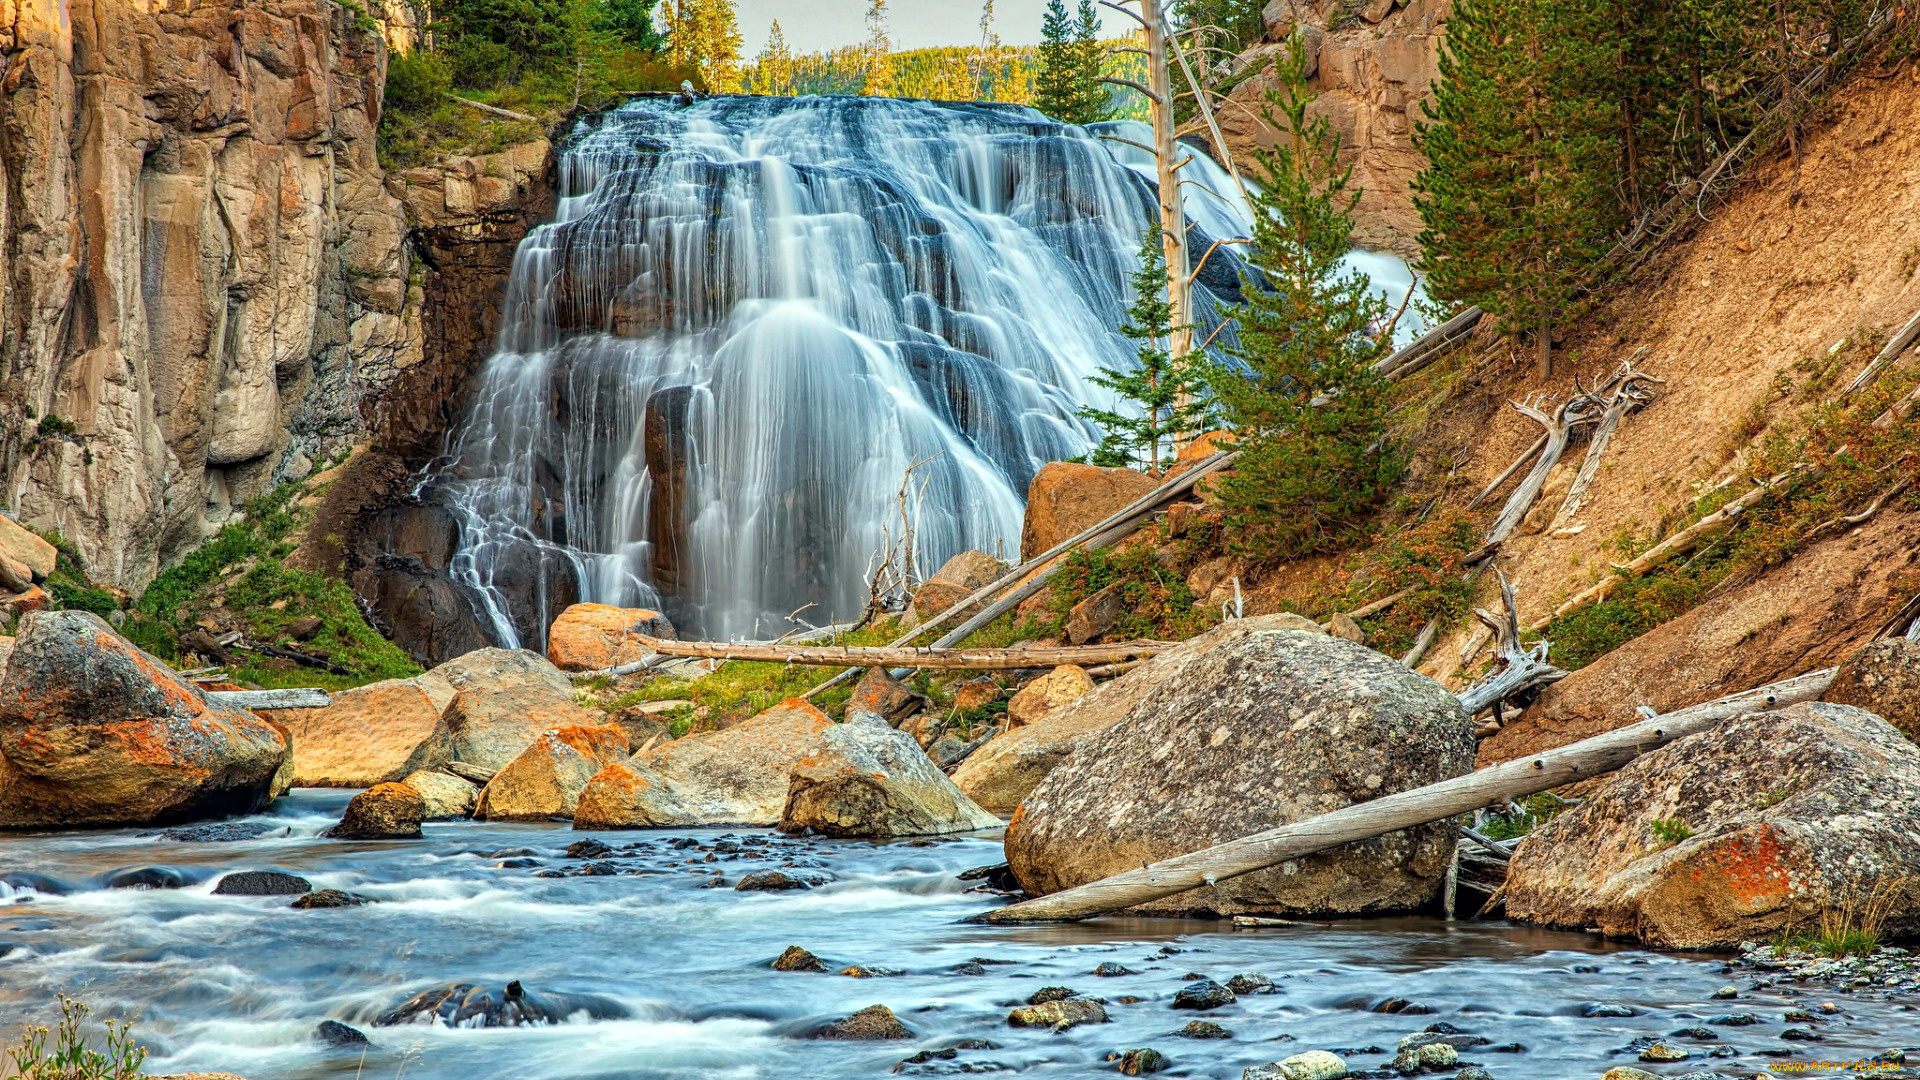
(680, 964)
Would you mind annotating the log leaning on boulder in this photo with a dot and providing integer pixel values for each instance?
(1402, 810)
(882, 656)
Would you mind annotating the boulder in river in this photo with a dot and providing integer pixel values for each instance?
(1884, 679)
(867, 779)
(262, 883)
(545, 781)
(94, 731)
(1270, 728)
(445, 796)
(370, 735)
(382, 812)
(736, 776)
(1004, 771)
(1756, 826)
(590, 637)
(469, 1005)
(504, 700)
(1312, 1065)
(1066, 498)
(871, 1023)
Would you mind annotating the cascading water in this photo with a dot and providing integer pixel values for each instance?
(751, 316)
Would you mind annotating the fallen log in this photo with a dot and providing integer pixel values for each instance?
(861, 656)
(478, 774)
(302, 698)
(494, 110)
(1402, 810)
(1678, 544)
(1896, 345)
(1430, 346)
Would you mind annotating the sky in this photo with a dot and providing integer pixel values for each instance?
(817, 25)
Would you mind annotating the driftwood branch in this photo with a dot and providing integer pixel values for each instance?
(1679, 543)
(1520, 670)
(1402, 810)
(495, 110)
(1631, 390)
(1430, 346)
(1896, 345)
(881, 656)
(1560, 424)
(303, 698)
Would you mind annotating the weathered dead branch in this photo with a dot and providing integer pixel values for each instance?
(494, 110)
(1896, 345)
(1401, 810)
(1630, 390)
(301, 698)
(883, 656)
(1577, 410)
(1520, 670)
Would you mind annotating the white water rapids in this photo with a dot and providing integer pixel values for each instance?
(750, 316)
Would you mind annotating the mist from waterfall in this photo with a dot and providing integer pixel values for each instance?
(751, 316)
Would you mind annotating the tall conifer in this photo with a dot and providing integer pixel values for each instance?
(1168, 394)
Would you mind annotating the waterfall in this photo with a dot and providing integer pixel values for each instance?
(751, 316)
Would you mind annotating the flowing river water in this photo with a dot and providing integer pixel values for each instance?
(671, 968)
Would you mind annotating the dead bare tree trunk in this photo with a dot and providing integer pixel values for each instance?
(1577, 410)
(303, 698)
(1521, 669)
(1402, 810)
(876, 656)
(1631, 390)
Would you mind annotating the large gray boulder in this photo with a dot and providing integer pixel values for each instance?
(1267, 729)
(96, 732)
(1004, 771)
(503, 700)
(1884, 679)
(868, 779)
(1756, 826)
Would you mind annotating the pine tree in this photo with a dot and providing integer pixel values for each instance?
(773, 71)
(1169, 394)
(705, 35)
(879, 80)
(1090, 57)
(1516, 198)
(631, 21)
(1307, 411)
(1055, 86)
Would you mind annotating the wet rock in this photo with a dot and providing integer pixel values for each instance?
(880, 694)
(1312, 1065)
(225, 832)
(444, 796)
(94, 732)
(1065, 498)
(737, 776)
(1627, 1072)
(867, 779)
(866, 971)
(1473, 1072)
(782, 880)
(147, 877)
(1205, 994)
(471, 1005)
(1884, 679)
(1110, 970)
(1143, 1062)
(591, 637)
(335, 1033)
(1001, 774)
(546, 780)
(1607, 1009)
(1051, 993)
(946, 1053)
(1048, 694)
(1733, 1020)
(261, 883)
(371, 734)
(382, 812)
(1801, 1035)
(1261, 731)
(1415, 1059)
(875, 1022)
(504, 699)
(1664, 1052)
(587, 849)
(1059, 1015)
(1788, 814)
(1250, 983)
(329, 898)
(1203, 1029)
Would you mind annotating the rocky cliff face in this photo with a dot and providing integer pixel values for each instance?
(204, 270)
(1372, 65)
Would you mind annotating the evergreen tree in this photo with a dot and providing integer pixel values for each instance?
(879, 80)
(630, 21)
(1517, 197)
(1090, 60)
(1056, 84)
(1307, 411)
(773, 71)
(1168, 393)
(705, 35)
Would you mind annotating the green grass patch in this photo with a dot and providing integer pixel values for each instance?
(1152, 574)
(739, 688)
(1535, 810)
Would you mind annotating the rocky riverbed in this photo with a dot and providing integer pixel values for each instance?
(664, 966)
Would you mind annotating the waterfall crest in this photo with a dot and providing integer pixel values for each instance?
(750, 316)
